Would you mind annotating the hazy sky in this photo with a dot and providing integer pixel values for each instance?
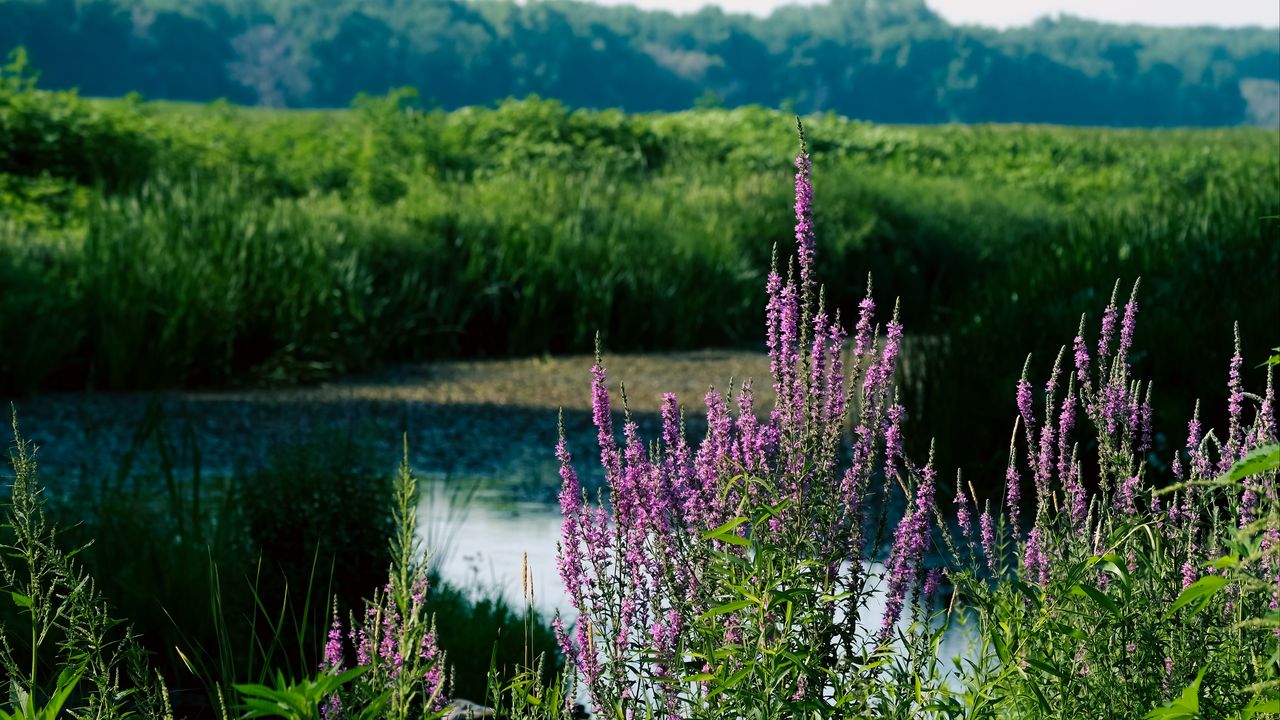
(1003, 13)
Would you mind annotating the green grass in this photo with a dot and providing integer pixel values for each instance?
(227, 579)
(162, 245)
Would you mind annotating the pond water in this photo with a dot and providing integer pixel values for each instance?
(483, 545)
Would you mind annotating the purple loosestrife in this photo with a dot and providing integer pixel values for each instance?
(1013, 483)
(1189, 575)
(932, 579)
(786, 381)
(397, 642)
(910, 540)
(569, 559)
(804, 219)
(893, 439)
(989, 541)
(864, 331)
(1024, 401)
(1081, 353)
(602, 416)
(1078, 498)
(1200, 465)
(1235, 408)
(1127, 498)
(641, 568)
(836, 400)
(1127, 324)
(1267, 411)
(1034, 559)
(1066, 422)
(963, 517)
(331, 708)
(1248, 503)
(1109, 317)
(879, 377)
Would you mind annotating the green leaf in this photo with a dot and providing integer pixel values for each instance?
(1045, 667)
(1061, 629)
(724, 529)
(1098, 597)
(1225, 561)
(1202, 589)
(20, 600)
(1261, 705)
(733, 540)
(67, 681)
(1185, 707)
(726, 608)
(1258, 461)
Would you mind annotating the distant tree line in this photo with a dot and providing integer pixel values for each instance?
(881, 60)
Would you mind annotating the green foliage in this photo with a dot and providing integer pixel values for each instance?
(527, 694)
(63, 625)
(1134, 622)
(24, 701)
(302, 699)
(243, 246)
(226, 581)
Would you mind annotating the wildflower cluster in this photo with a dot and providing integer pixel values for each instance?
(1101, 604)
(743, 562)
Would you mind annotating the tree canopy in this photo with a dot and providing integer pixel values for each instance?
(880, 60)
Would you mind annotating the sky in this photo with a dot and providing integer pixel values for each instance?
(1007, 13)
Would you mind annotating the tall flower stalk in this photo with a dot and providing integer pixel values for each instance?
(394, 639)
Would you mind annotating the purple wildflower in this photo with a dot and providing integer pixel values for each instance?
(331, 708)
(1248, 503)
(804, 219)
(863, 338)
(989, 539)
(1034, 559)
(1126, 499)
(1109, 317)
(1066, 421)
(880, 375)
(1235, 402)
(1081, 355)
(602, 416)
(893, 440)
(962, 515)
(1024, 399)
(910, 540)
(931, 581)
(1013, 489)
(1189, 575)
(1077, 498)
(1127, 324)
